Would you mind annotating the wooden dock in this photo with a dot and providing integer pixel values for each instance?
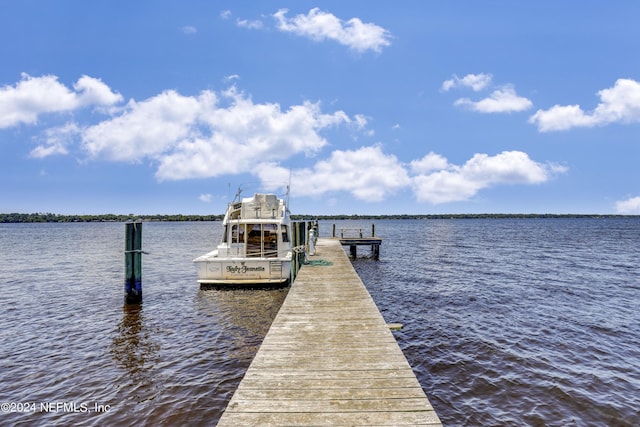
(354, 237)
(329, 359)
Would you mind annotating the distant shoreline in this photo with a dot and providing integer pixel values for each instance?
(56, 218)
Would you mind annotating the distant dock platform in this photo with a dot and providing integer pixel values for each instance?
(354, 237)
(329, 358)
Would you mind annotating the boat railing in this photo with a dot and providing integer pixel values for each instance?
(350, 232)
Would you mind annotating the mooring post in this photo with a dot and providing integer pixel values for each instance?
(133, 262)
(302, 235)
(298, 229)
(294, 254)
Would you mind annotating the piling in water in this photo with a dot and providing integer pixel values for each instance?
(133, 263)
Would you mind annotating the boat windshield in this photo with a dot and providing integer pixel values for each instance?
(262, 240)
(270, 240)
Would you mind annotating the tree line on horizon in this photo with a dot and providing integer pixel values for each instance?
(50, 217)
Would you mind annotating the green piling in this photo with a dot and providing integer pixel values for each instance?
(133, 262)
(299, 239)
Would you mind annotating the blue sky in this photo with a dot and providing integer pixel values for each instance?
(364, 107)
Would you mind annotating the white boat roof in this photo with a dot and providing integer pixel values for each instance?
(262, 206)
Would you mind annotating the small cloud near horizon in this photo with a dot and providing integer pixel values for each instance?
(205, 197)
(630, 206)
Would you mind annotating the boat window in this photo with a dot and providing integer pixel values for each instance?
(225, 235)
(237, 233)
(254, 246)
(285, 233)
(270, 240)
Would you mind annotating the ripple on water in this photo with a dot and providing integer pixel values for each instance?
(506, 322)
(516, 322)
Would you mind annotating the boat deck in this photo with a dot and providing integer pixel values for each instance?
(329, 358)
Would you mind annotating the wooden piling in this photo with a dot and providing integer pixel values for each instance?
(133, 263)
(298, 240)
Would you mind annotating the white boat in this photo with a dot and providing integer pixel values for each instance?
(255, 248)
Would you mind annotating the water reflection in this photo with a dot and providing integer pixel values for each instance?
(134, 350)
(247, 314)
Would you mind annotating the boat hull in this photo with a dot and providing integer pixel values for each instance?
(242, 271)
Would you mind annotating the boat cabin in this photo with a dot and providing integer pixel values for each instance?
(256, 228)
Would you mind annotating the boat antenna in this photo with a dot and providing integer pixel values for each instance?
(286, 197)
(237, 197)
(288, 190)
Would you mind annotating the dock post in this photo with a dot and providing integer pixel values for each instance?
(133, 262)
(376, 252)
(298, 239)
(294, 255)
(353, 251)
(375, 248)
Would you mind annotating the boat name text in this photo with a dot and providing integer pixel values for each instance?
(243, 269)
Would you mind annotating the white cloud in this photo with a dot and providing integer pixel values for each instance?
(91, 91)
(619, 104)
(205, 197)
(319, 25)
(225, 14)
(360, 121)
(213, 134)
(443, 182)
(196, 137)
(57, 141)
(367, 173)
(252, 25)
(185, 136)
(428, 163)
(630, 206)
(561, 117)
(33, 96)
(245, 134)
(477, 82)
(147, 128)
(230, 78)
(504, 100)
(189, 29)
(371, 175)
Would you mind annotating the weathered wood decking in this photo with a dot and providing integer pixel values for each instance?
(329, 359)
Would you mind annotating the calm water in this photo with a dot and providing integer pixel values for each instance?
(506, 322)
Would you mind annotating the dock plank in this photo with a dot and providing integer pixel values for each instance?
(329, 359)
